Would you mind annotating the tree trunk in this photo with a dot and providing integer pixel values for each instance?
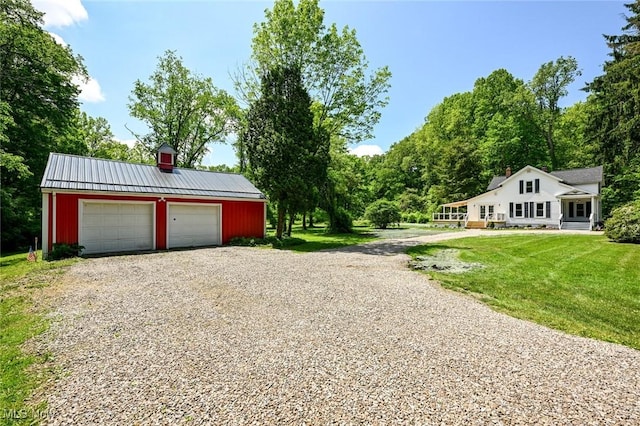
(552, 150)
(304, 221)
(310, 219)
(291, 217)
(280, 226)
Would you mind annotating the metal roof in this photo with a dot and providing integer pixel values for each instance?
(570, 177)
(72, 172)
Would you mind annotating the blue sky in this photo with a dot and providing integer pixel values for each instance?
(433, 48)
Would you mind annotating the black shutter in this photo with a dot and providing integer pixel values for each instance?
(510, 209)
(531, 207)
(537, 186)
(548, 208)
(525, 206)
(522, 187)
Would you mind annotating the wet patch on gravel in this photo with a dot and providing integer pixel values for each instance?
(446, 260)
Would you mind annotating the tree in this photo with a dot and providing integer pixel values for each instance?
(347, 99)
(334, 68)
(381, 213)
(287, 156)
(95, 132)
(38, 106)
(549, 85)
(573, 149)
(614, 124)
(183, 110)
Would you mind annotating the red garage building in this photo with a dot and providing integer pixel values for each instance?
(112, 206)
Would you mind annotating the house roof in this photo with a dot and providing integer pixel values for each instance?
(580, 176)
(71, 172)
(570, 177)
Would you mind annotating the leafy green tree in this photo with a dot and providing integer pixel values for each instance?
(381, 213)
(347, 99)
(95, 132)
(347, 190)
(549, 85)
(614, 124)
(573, 149)
(38, 106)
(183, 110)
(287, 156)
(505, 124)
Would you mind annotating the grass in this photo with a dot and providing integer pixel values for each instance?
(581, 284)
(314, 239)
(20, 320)
(317, 238)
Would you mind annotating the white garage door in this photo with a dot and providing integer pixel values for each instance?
(194, 225)
(114, 227)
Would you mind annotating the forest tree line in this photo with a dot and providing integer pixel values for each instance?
(302, 98)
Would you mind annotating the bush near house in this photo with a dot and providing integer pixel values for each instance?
(381, 213)
(624, 224)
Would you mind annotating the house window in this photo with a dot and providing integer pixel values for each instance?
(529, 186)
(519, 212)
(579, 210)
(539, 209)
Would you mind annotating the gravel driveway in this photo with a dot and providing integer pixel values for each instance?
(238, 335)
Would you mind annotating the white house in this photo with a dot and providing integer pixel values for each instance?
(564, 199)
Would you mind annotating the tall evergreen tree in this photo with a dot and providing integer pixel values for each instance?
(287, 156)
(614, 124)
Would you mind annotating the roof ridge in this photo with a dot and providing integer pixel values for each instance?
(140, 164)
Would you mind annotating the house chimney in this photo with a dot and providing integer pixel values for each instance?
(165, 158)
(508, 171)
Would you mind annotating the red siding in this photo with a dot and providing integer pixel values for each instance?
(66, 218)
(239, 218)
(161, 225)
(242, 219)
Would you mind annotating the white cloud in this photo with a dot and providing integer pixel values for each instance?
(129, 142)
(58, 39)
(61, 13)
(366, 150)
(90, 90)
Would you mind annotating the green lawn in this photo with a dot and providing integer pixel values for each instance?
(20, 282)
(315, 239)
(582, 284)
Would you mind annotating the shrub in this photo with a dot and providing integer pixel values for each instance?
(410, 217)
(422, 218)
(343, 223)
(268, 241)
(381, 213)
(624, 224)
(64, 251)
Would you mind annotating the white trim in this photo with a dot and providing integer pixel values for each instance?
(82, 201)
(45, 225)
(152, 195)
(170, 203)
(55, 217)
